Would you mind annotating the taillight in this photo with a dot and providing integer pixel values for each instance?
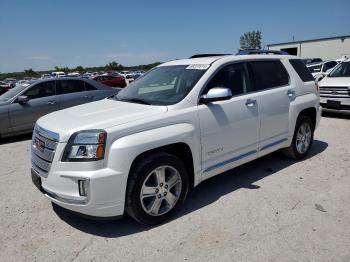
(317, 87)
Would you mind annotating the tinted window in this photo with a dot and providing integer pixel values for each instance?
(301, 70)
(233, 76)
(342, 70)
(328, 66)
(69, 86)
(89, 87)
(268, 74)
(41, 90)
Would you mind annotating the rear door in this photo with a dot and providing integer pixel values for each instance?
(71, 93)
(42, 100)
(272, 85)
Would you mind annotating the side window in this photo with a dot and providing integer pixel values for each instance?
(41, 90)
(69, 86)
(301, 70)
(328, 66)
(268, 74)
(234, 77)
(89, 87)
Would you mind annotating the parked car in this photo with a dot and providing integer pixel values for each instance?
(111, 80)
(21, 106)
(4, 87)
(183, 122)
(10, 81)
(45, 76)
(319, 70)
(335, 88)
(58, 74)
(311, 60)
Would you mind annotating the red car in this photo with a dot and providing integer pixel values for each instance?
(109, 80)
(4, 87)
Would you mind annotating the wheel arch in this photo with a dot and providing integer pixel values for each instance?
(181, 150)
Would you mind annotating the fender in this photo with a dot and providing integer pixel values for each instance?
(299, 104)
(127, 148)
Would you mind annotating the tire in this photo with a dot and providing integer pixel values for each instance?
(141, 203)
(293, 151)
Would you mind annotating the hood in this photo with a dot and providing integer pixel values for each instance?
(96, 115)
(335, 81)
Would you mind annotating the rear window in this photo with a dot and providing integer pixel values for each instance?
(301, 70)
(268, 74)
(69, 86)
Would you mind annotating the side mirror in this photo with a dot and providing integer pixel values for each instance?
(216, 94)
(22, 99)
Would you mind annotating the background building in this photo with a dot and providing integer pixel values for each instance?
(325, 48)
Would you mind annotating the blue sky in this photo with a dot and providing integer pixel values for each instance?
(41, 34)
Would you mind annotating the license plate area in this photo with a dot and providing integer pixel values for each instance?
(333, 103)
(36, 179)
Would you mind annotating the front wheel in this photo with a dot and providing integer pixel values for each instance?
(157, 187)
(302, 138)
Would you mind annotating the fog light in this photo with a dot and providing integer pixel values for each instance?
(83, 187)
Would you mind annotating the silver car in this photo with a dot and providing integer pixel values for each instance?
(21, 106)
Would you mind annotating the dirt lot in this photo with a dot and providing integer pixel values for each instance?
(272, 209)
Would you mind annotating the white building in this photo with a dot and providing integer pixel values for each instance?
(325, 48)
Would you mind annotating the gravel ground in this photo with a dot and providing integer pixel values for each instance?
(272, 209)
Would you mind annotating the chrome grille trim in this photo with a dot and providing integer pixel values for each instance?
(43, 155)
(41, 163)
(335, 91)
(46, 133)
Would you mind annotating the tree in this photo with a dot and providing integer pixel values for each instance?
(30, 72)
(79, 69)
(113, 66)
(251, 39)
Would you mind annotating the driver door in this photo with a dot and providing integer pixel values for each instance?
(230, 128)
(42, 100)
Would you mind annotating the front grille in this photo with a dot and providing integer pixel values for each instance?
(335, 91)
(44, 144)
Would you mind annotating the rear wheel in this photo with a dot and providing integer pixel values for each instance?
(302, 138)
(157, 187)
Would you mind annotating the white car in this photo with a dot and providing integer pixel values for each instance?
(335, 88)
(183, 122)
(319, 70)
(58, 74)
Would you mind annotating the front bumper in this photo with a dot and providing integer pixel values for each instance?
(101, 199)
(335, 103)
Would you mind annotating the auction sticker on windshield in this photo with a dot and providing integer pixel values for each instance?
(198, 67)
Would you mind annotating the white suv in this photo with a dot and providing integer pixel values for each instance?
(176, 126)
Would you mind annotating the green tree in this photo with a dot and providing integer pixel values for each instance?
(251, 39)
(30, 72)
(113, 66)
(79, 69)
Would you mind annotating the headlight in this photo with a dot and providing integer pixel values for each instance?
(85, 146)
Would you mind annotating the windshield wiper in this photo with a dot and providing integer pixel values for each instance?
(134, 100)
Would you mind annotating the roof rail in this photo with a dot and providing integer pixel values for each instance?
(258, 51)
(207, 55)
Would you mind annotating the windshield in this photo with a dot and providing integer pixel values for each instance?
(342, 70)
(315, 68)
(12, 92)
(164, 85)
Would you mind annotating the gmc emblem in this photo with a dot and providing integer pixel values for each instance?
(40, 145)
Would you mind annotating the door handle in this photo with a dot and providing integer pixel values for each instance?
(250, 102)
(291, 94)
(53, 102)
(88, 97)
